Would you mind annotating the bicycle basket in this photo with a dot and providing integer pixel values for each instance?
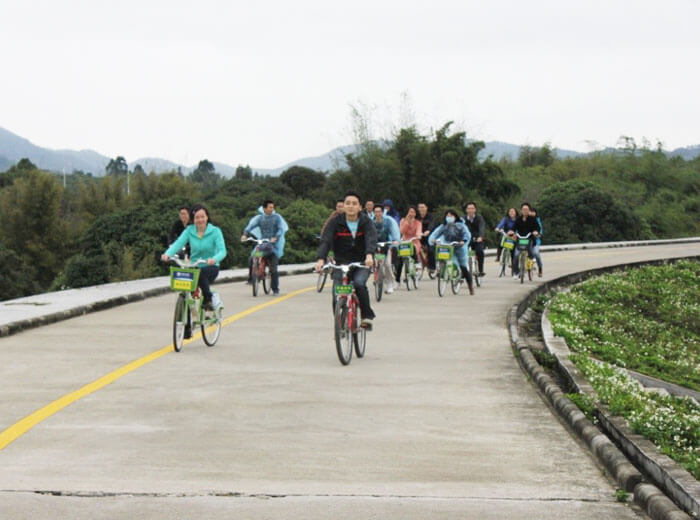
(406, 249)
(183, 279)
(443, 252)
(379, 256)
(523, 243)
(508, 244)
(265, 249)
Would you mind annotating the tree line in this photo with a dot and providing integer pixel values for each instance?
(61, 232)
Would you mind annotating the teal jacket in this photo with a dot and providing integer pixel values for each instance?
(211, 245)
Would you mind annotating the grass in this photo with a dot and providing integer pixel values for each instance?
(648, 320)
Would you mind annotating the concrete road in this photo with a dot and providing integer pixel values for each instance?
(437, 421)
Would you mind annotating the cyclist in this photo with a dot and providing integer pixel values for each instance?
(387, 231)
(427, 225)
(352, 238)
(453, 229)
(369, 209)
(538, 242)
(339, 204)
(206, 243)
(477, 227)
(271, 227)
(524, 224)
(179, 226)
(506, 224)
(411, 229)
(389, 210)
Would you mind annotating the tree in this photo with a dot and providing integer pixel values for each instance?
(576, 211)
(302, 181)
(138, 170)
(205, 175)
(244, 173)
(117, 166)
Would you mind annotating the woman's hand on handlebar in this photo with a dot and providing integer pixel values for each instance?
(164, 258)
(319, 265)
(369, 260)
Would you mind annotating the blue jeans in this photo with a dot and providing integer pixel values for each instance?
(358, 277)
(530, 252)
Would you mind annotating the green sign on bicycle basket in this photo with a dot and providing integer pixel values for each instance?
(379, 256)
(444, 252)
(183, 279)
(523, 241)
(343, 289)
(405, 248)
(508, 244)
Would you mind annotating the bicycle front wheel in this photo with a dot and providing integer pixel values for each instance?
(359, 337)
(211, 328)
(406, 274)
(179, 322)
(343, 338)
(442, 278)
(321, 281)
(456, 283)
(254, 276)
(521, 265)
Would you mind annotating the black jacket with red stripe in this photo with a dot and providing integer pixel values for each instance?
(338, 238)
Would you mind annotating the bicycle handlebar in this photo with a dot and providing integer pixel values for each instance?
(447, 243)
(343, 267)
(181, 263)
(258, 241)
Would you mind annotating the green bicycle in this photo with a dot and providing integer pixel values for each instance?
(406, 253)
(447, 270)
(183, 279)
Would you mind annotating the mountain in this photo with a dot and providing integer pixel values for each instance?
(13, 148)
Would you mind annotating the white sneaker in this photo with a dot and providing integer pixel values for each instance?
(390, 290)
(515, 276)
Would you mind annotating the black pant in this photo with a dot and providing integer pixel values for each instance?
(272, 262)
(207, 275)
(399, 264)
(478, 248)
(359, 280)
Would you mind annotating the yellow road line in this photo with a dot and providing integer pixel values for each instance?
(23, 426)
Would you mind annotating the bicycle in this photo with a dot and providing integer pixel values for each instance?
(447, 270)
(378, 269)
(406, 252)
(346, 315)
(261, 270)
(525, 263)
(184, 279)
(508, 244)
(472, 265)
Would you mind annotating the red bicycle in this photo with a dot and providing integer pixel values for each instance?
(346, 316)
(261, 271)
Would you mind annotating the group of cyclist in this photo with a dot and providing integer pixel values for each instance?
(354, 233)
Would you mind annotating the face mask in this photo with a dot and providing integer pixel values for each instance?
(450, 220)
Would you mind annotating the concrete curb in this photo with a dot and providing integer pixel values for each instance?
(130, 296)
(626, 475)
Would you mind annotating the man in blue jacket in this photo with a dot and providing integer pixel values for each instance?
(271, 226)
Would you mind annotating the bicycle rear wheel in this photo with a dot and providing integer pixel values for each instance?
(343, 338)
(359, 338)
(211, 328)
(267, 278)
(456, 283)
(321, 281)
(179, 322)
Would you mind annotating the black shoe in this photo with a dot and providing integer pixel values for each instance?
(207, 305)
(482, 274)
(188, 332)
(471, 289)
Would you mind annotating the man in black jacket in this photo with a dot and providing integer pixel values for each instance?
(477, 227)
(179, 226)
(353, 238)
(523, 225)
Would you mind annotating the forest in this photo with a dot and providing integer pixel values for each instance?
(66, 231)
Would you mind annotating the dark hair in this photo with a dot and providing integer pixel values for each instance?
(514, 209)
(267, 202)
(525, 204)
(369, 200)
(424, 203)
(453, 212)
(412, 207)
(378, 207)
(533, 210)
(340, 200)
(470, 202)
(196, 208)
(184, 206)
(353, 194)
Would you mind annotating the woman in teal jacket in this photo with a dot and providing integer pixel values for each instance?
(206, 243)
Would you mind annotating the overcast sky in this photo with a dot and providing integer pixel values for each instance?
(264, 83)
